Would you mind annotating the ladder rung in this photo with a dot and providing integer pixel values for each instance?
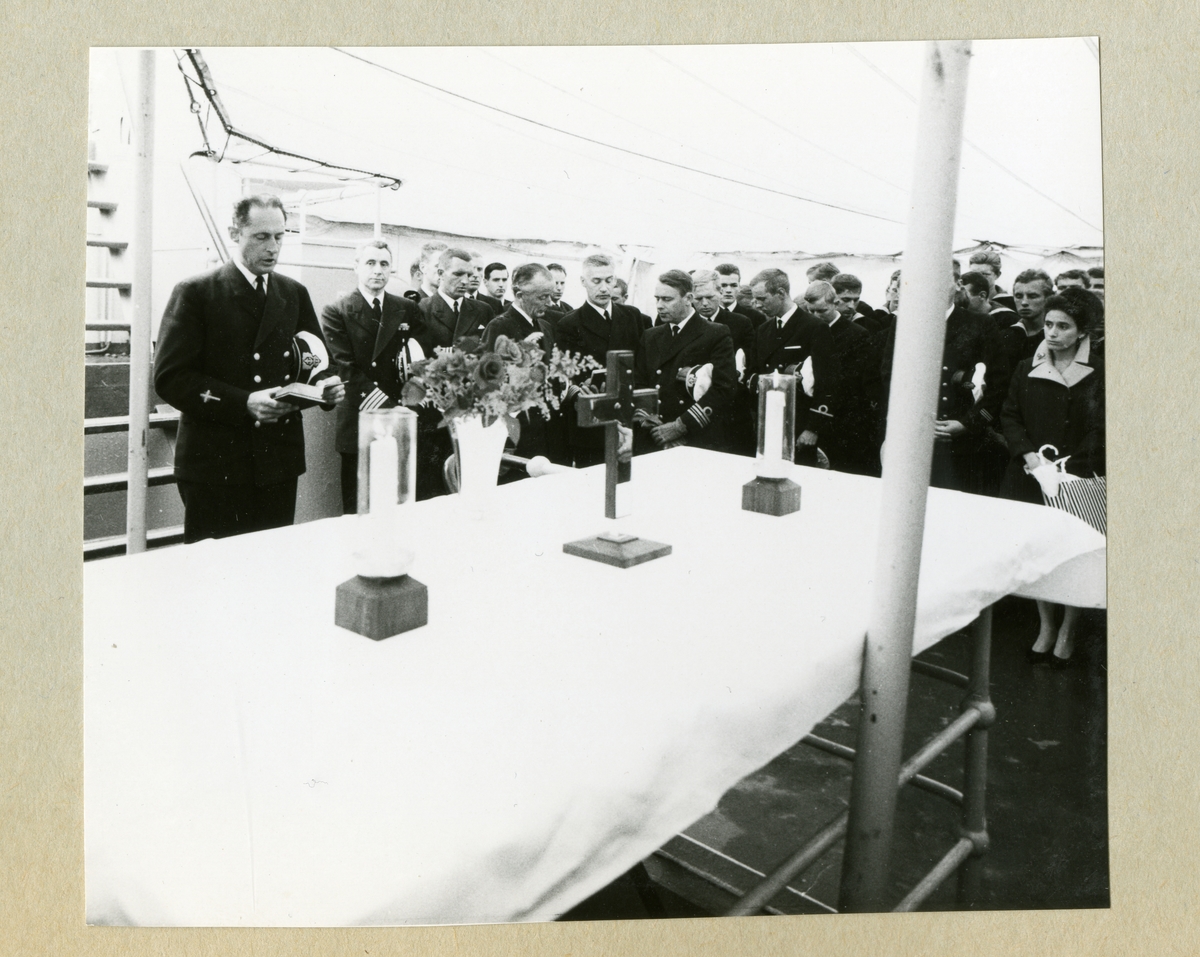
(97, 167)
(120, 423)
(104, 205)
(116, 245)
(119, 482)
(107, 326)
(109, 284)
(115, 544)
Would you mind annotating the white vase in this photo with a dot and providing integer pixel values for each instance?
(479, 449)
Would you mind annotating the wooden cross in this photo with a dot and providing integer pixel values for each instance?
(610, 408)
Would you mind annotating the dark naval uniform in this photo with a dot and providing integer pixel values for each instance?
(585, 331)
(785, 349)
(967, 343)
(372, 355)
(659, 362)
(217, 344)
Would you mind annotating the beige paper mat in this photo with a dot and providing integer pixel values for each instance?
(1152, 138)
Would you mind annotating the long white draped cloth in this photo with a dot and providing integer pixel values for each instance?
(247, 762)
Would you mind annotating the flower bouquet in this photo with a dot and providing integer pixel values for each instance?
(476, 390)
(515, 377)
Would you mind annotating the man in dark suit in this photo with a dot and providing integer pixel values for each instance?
(229, 339)
(788, 338)
(592, 330)
(729, 280)
(849, 295)
(373, 340)
(960, 425)
(526, 319)
(740, 435)
(495, 279)
(620, 296)
(673, 356)
(558, 307)
(851, 443)
(449, 313)
(475, 283)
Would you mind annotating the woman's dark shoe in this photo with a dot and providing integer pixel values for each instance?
(1038, 657)
(1060, 663)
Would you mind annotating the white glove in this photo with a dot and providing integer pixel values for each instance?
(625, 441)
(1048, 477)
(807, 380)
(703, 382)
(978, 380)
(739, 361)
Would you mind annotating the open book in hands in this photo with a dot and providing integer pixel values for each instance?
(303, 396)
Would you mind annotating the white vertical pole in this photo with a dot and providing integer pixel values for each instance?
(139, 331)
(303, 216)
(920, 331)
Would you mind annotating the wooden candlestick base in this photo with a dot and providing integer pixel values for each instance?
(771, 496)
(381, 607)
(621, 550)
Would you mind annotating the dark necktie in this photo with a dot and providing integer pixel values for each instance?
(456, 303)
(779, 325)
(260, 293)
(674, 330)
(376, 311)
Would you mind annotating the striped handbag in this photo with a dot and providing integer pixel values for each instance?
(1085, 498)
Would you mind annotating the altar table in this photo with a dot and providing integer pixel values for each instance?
(247, 762)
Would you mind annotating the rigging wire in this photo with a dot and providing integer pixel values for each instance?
(612, 113)
(605, 204)
(206, 83)
(619, 149)
(774, 122)
(978, 149)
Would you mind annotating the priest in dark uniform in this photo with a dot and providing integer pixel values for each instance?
(597, 326)
(691, 361)
(374, 338)
(788, 338)
(449, 313)
(229, 339)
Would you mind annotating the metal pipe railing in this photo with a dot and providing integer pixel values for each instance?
(933, 880)
(931, 785)
(974, 816)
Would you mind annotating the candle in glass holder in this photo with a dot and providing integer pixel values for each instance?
(776, 425)
(386, 482)
(384, 470)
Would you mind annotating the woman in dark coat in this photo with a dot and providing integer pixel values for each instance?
(1056, 398)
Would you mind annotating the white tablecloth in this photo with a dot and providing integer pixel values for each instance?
(249, 763)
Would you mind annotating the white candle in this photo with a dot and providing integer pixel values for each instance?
(385, 474)
(773, 433)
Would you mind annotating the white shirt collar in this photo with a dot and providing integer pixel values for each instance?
(251, 277)
(788, 315)
(528, 317)
(369, 296)
(685, 320)
(449, 302)
(599, 311)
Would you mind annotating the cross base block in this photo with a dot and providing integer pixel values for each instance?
(381, 607)
(771, 496)
(623, 553)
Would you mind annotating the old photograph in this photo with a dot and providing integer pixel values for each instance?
(594, 483)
